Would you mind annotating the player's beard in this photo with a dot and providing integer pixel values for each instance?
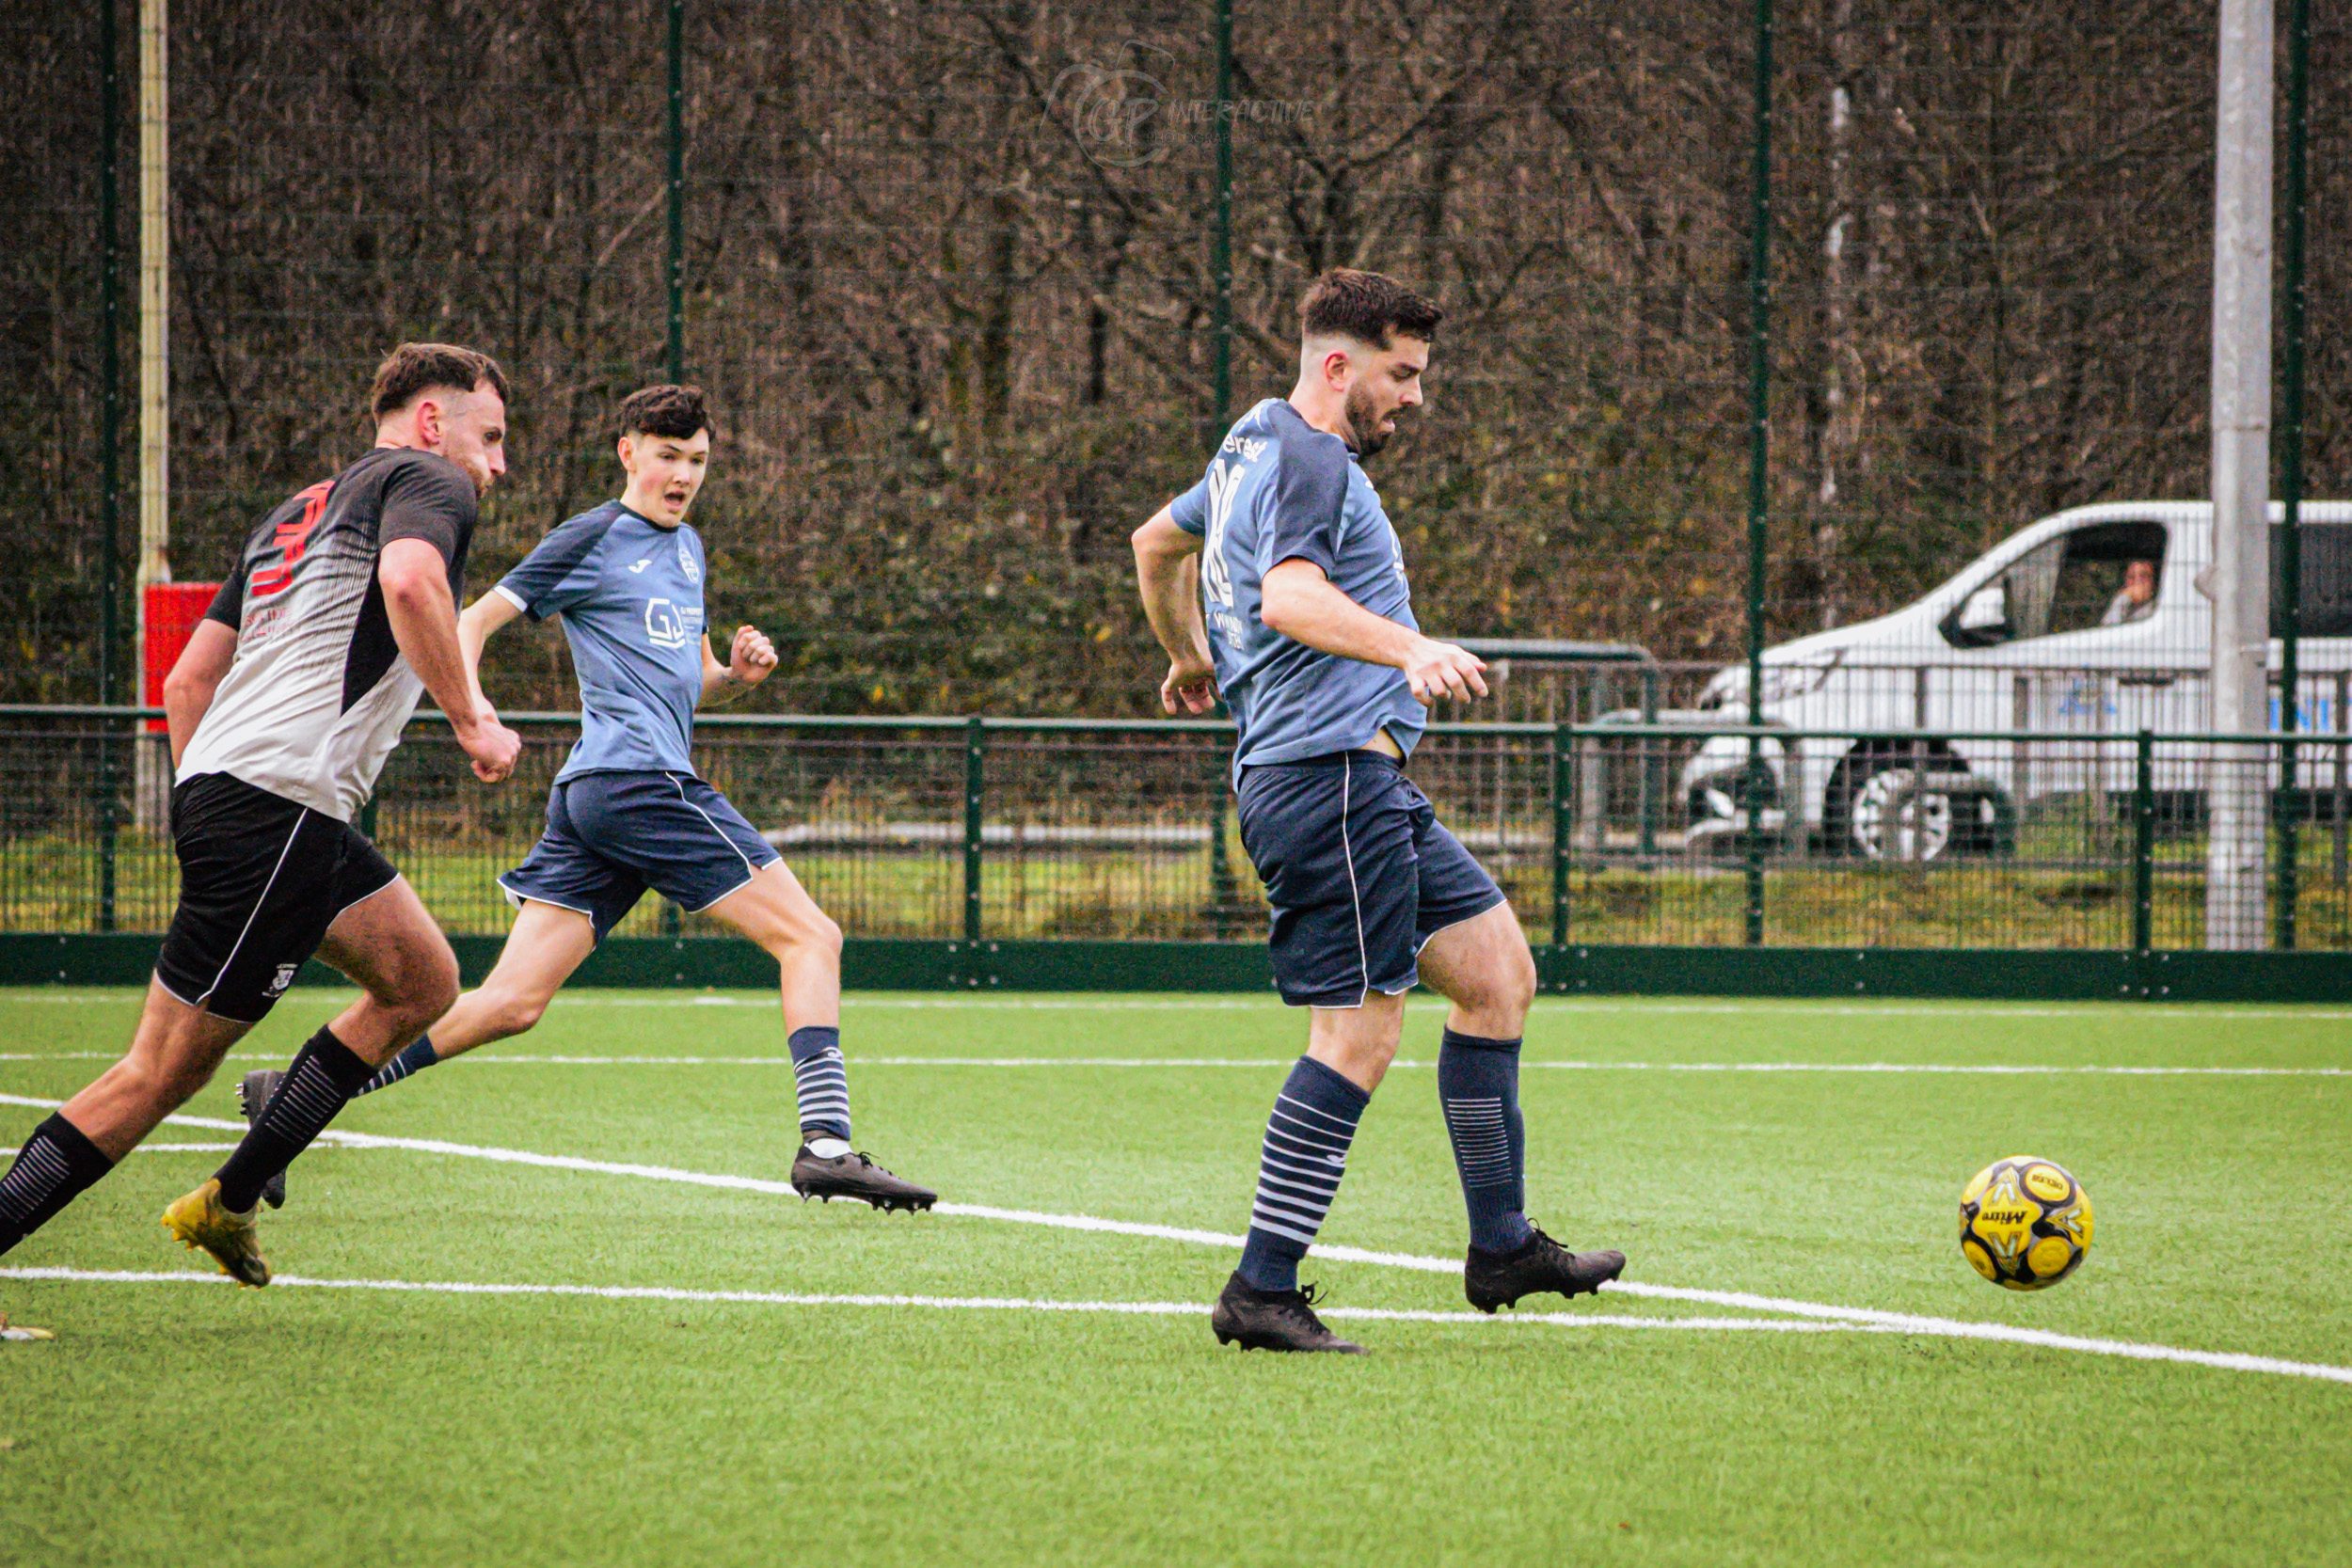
(1365, 421)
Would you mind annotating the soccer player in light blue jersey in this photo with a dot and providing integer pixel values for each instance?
(1302, 619)
(628, 810)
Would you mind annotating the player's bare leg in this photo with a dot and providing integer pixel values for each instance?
(407, 977)
(1484, 968)
(775, 912)
(173, 1053)
(545, 945)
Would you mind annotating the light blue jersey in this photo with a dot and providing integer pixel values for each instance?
(630, 594)
(1280, 489)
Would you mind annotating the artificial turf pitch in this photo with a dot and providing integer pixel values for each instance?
(177, 1420)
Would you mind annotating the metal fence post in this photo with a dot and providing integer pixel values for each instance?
(1760, 450)
(1651, 752)
(1563, 828)
(673, 261)
(1223, 894)
(1221, 234)
(2144, 843)
(2290, 595)
(110, 475)
(975, 787)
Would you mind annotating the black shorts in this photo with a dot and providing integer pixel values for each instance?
(1359, 871)
(262, 877)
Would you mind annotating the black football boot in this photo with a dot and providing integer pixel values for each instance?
(253, 1092)
(1273, 1319)
(1493, 1279)
(855, 1176)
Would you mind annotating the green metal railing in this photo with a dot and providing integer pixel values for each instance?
(982, 828)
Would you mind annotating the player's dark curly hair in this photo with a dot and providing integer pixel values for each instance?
(673, 411)
(1367, 307)
(412, 370)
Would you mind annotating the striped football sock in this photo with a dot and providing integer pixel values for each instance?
(1299, 1169)
(821, 1082)
(1478, 1086)
(414, 1057)
(54, 1165)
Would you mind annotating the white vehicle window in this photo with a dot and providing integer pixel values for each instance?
(2103, 575)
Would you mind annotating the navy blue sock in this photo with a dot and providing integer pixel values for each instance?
(53, 1168)
(1299, 1167)
(414, 1057)
(820, 1082)
(1478, 1085)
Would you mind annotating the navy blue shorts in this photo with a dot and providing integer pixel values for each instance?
(613, 835)
(1359, 871)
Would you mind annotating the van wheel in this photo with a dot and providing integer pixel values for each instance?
(1872, 812)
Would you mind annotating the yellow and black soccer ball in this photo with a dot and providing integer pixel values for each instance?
(2025, 1223)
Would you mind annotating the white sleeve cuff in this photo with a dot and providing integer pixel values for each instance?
(510, 596)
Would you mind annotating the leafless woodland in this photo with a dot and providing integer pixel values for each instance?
(948, 279)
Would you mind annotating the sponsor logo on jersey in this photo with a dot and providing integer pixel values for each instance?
(664, 626)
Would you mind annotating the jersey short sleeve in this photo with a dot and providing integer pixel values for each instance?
(1307, 503)
(561, 570)
(228, 606)
(1190, 511)
(433, 501)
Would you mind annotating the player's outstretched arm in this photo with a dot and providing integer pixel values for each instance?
(1303, 604)
(424, 615)
(195, 676)
(750, 658)
(1168, 573)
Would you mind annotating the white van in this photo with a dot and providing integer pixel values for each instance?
(2091, 621)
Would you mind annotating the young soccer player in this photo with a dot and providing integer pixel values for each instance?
(628, 810)
(1303, 621)
(343, 607)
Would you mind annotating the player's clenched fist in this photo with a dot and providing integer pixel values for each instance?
(1439, 670)
(490, 746)
(752, 656)
(1190, 687)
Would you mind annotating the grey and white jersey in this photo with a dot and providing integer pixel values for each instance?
(318, 693)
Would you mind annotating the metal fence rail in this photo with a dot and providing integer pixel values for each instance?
(1613, 833)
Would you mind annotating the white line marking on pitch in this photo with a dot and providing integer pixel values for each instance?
(1899, 1322)
(968, 1304)
(156, 1149)
(2182, 1012)
(1268, 1063)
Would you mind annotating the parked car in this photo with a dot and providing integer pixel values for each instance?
(2091, 622)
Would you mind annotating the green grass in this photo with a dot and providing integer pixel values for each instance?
(195, 1424)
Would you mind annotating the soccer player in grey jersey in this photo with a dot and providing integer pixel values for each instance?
(628, 812)
(341, 609)
(1277, 582)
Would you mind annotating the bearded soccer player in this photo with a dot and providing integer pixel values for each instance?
(1303, 621)
(628, 812)
(342, 608)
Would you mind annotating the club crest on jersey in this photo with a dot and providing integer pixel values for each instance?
(664, 626)
(686, 562)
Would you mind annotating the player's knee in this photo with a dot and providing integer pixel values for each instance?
(422, 984)
(803, 934)
(513, 1012)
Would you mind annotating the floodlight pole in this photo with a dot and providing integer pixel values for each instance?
(2239, 587)
(674, 268)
